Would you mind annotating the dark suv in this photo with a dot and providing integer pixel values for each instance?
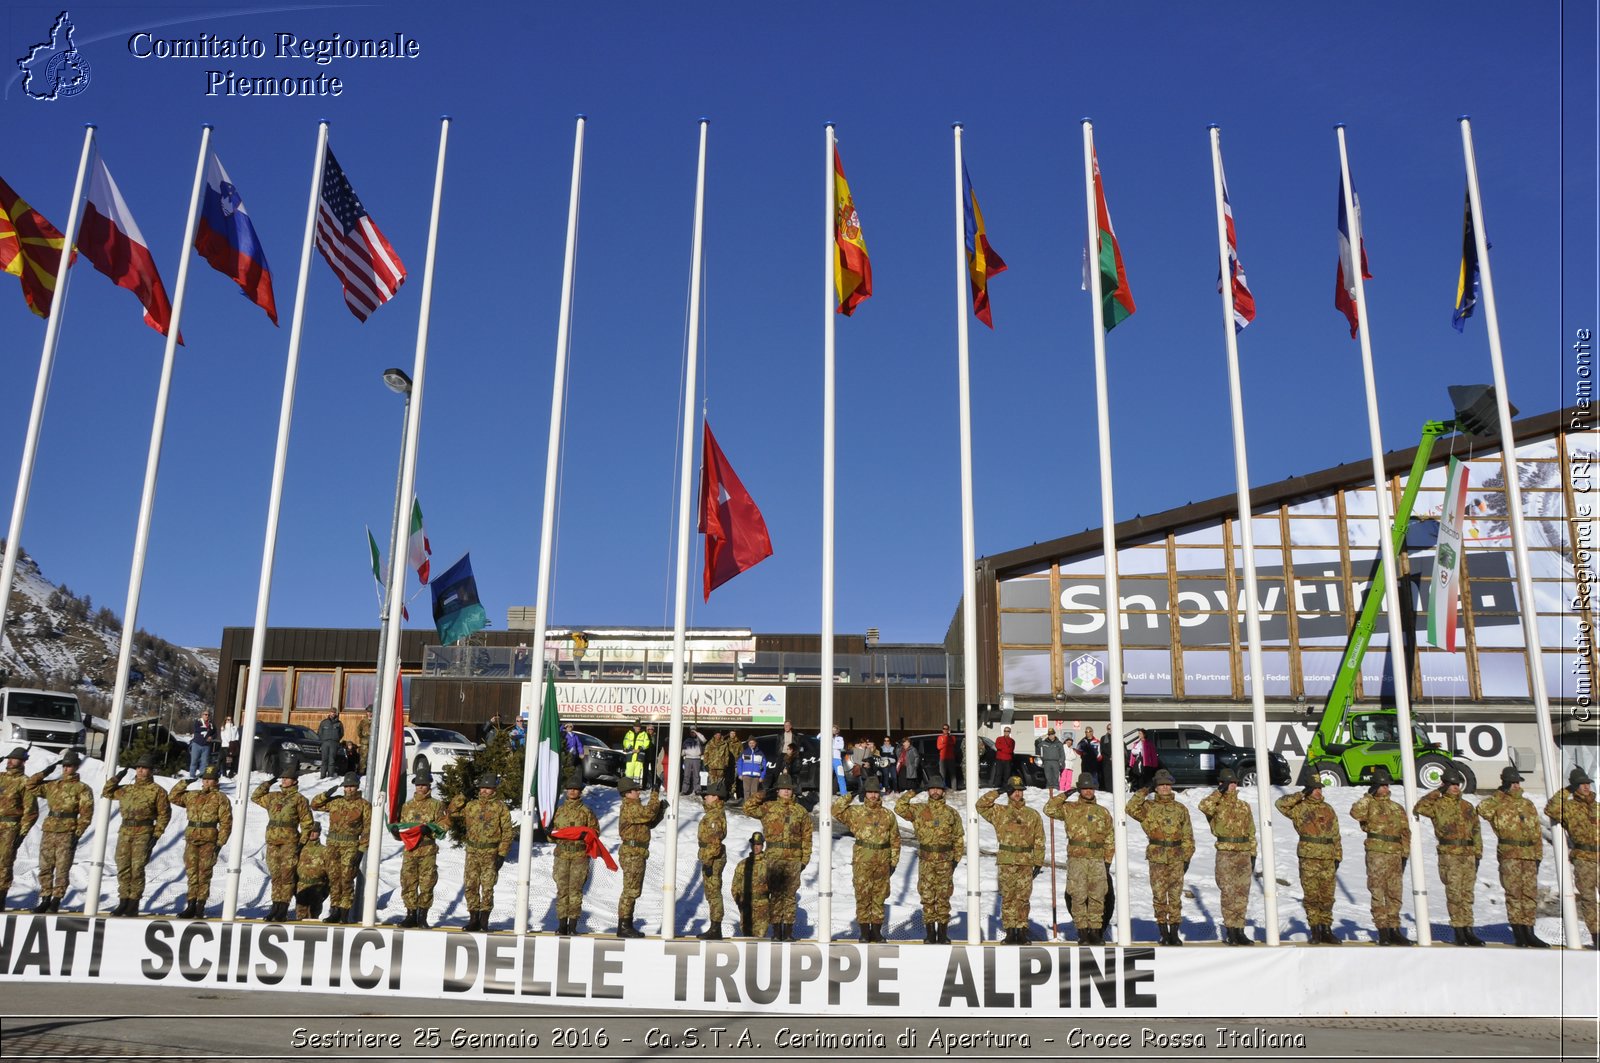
(927, 747)
(277, 744)
(601, 763)
(1194, 756)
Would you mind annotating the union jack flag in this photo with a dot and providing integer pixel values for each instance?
(1244, 304)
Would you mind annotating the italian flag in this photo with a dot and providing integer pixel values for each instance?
(1116, 300)
(418, 549)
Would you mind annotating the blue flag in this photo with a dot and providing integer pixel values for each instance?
(457, 612)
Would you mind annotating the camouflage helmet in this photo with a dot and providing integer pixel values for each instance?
(352, 778)
(72, 759)
(1087, 781)
(872, 785)
(1226, 776)
(1163, 777)
(146, 761)
(626, 785)
(488, 782)
(757, 838)
(1508, 775)
(211, 772)
(1578, 777)
(717, 789)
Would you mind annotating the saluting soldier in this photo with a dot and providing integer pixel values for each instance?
(1091, 847)
(787, 827)
(349, 824)
(1319, 851)
(718, 755)
(488, 826)
(572, 856)
(1388, 845)
(713, 853)
(941, 843)
(17, 815)
(750, 892)
(423, 821)
(1460, 842)
(1519, 848)
(876, 853)
(1168, 825)
(69, 810)
(288, 813)
(210, 824)
(145, 815)
(1575, 809)
(1020, 833)
(1234, 829)
(635, 820)
(312, 867)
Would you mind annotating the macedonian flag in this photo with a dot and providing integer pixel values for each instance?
(30, 249)
(852, 269)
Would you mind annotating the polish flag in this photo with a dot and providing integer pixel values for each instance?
(111, 239)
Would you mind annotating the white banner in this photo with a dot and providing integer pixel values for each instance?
(1444, 589)
(840, 978)
(706, 704)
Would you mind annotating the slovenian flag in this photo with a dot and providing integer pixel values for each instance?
(226, 239)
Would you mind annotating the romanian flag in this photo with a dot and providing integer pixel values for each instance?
(30, 249)
(982, 261)
(1116, 299)
(852, 269)
(1468, 281)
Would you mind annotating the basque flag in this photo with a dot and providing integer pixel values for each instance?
(226, 239)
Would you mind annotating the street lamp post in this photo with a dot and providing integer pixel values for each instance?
(399, 383)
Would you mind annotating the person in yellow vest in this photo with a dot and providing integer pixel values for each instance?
(636, 744)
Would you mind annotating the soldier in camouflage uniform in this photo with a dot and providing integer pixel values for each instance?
(1234, 828)
(210, 824)
(635, 820)
(312, 867)
(1020, 833)
(713, 854)
(288, 813)
(1168, 825)
(69, 810)
(787, 827)
(17, 815)
(1319, 851)
(1519, 846)
(876, 853)
(572, 857)
(1091, 847)
(349, 827)
(364, 734)
(750, 893)
(1460, 839)
(419, 867)
(1387, 849)
(1575, 809)
(941, 841)
(145, 815)
(488, 825)
(718, 755)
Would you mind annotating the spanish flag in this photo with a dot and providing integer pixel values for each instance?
(1467, 279)
(982, 261)
(852, 269)
(30, 249)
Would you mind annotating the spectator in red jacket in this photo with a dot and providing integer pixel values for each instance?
(947, 757)
(1005, 748)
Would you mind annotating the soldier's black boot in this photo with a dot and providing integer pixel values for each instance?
(335, 915)
(1472, 938)
(1534, 941)
(1517, 937)
(1175, 939)
(944, 933)
(410, 920)
(930, 933)
(1242, 937)
(1383, 936)
(43, 906)
(1327, 936)
(711, 933)
(1459, 935)
(422, 918)
(1398, 936)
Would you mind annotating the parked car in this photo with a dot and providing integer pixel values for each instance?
(1194, 756)
(807, 758)
(927, 747)
(433, 749)
(276, 743)
(601, 763)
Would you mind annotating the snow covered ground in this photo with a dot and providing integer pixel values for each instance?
(166, 889)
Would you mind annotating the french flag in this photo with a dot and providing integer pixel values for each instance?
(226, 239)
(1344, 296)
(111, 239)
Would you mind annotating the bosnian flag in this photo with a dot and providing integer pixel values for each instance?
(226, 239)
(111, 239)
(418, 549)
(1344, 296)
(1244, 304)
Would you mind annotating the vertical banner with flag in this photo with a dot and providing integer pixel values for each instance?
(1344, 295)
(377, 574)
(30, 250)
(1444, 589)
(353, 245)
(418, 549)
(1468, 281)
(111, 239)
(397, 752)
(852, 269)
(736, 535)
(1116, 298)
(226, 239)
(546, 751)
(982, 260)
(1244, 303)
(457, 612)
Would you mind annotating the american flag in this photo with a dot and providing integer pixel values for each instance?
(353, 246)
(1244, 304)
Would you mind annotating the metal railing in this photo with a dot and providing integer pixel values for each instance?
(654, 665)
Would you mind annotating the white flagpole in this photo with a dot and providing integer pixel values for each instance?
(680, 611)
(969, 566)
(141, 539)
(1241, 469)
(1108, 546)
(1550, 761)
(41, 388)
(547, 525)
(825, 774)
(258, 639)
(1391, 568)
(383, 727)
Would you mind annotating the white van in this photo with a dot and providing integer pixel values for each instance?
(47, 719)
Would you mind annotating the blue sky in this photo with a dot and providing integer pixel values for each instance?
(893, 76)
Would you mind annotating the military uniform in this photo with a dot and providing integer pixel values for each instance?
(210, 825)
(349, 828)
(1574, 808)
(941, 841)
(875, 856)
(1519, 848)
(1168, 825)
(572, 857)
(17, 815)
(419, 866)
(1020, 833)
(718, 755)
(1457, 831)
(635, 821)
(145, 815)
(1234, 828)
(750, 892)
(713, 854)
(288, 813)
(488, 826)
(1388, 845)
(313, 866)
(364, 735)
(69, 810)
(1091, 847)
(787, 827)
(1320, 852)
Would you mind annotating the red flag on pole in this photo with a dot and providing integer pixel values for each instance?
(397, 753)
(111, 240)
(736, 536)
